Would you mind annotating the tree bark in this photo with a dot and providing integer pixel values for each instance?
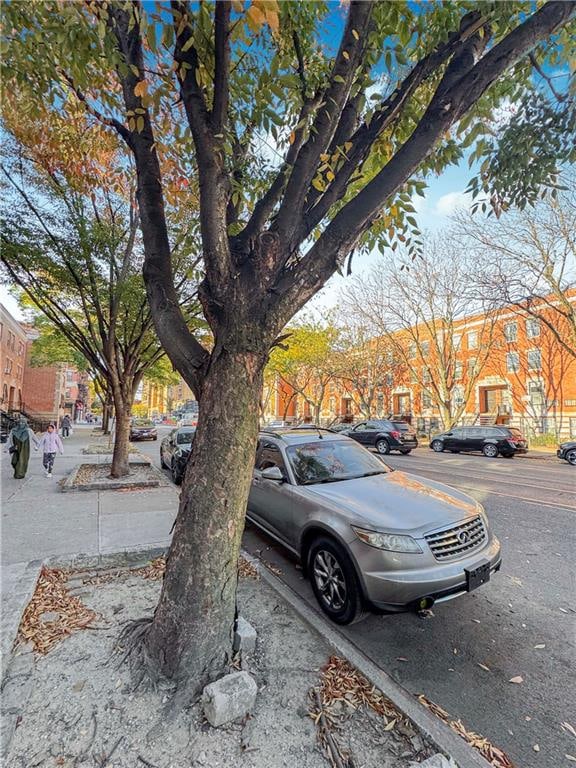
(190, 637)
(122, 411)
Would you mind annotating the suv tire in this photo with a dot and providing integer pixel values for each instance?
(437, 446)
(162, 462)
(176, 478)
(382, 446)
(405, 451)
(490, 450)
(334, 581)
(571, 457)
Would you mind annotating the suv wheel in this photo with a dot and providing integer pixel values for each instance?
(162, 462)
(383, 447)
(334, 582)
(176, 476)
(438, 446)
(490, 450)
(571, 457)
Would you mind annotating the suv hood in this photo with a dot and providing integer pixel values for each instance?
(396, 502)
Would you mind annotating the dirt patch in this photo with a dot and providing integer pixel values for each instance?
(103, 448)
(96, 477)
(82, 710)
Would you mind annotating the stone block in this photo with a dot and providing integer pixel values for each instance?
(244, 636)
(229, 698)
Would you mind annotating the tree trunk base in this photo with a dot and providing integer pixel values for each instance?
(131, 648)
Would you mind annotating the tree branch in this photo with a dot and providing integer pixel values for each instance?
(221, 64)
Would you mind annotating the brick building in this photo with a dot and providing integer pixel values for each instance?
(512, 370)
(13, 349)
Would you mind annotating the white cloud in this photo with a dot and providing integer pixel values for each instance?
(447, 204)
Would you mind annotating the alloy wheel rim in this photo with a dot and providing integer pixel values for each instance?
(330, 580)
(437, 446)
(572, 457)
(490, 450)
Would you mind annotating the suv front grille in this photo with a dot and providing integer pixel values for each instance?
(457, 541)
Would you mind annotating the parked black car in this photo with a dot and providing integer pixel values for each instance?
(141, 429)
(567, 451)
(384, 435)
(175, 450)
(492, 441)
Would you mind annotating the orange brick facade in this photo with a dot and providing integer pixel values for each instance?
(13, 349)
(513, 370)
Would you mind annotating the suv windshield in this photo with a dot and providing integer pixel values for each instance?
(332, 460)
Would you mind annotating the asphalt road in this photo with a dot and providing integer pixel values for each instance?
(502, 626)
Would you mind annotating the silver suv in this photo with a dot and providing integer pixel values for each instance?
(368, 536)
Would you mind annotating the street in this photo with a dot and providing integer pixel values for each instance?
(521, 624)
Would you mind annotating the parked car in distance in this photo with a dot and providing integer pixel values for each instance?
(174, 451)
(384, 435)
(342, 427)
(142, 429)
(368, 537)
(492, 441)
(277, 424)
(567, 451)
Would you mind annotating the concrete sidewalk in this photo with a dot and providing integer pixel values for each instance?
(39, 521)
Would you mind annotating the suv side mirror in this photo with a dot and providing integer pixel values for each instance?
(273, 473)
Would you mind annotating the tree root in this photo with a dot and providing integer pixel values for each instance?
(131, 647)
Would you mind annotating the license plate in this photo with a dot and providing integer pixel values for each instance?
(475, 577)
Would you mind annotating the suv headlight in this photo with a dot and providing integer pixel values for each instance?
(393, 542)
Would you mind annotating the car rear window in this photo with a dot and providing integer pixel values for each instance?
(142, 423)
(401, 426)
(515, 432)
(182, 438)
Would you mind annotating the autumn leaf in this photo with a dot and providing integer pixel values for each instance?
(390, 725)
(483, 666)
(291, 137)
(540, 645)
(517, 680)
(141, 88)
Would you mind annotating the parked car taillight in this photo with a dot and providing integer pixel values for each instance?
(396, 435)
(512, 441)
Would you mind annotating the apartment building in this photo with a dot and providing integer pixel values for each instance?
(13, 348)
(506, 368)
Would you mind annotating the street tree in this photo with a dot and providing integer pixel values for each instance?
(416, 307)
(243, 82)
(71, 243)
(527, 259)
(306, 363)
(367, 363)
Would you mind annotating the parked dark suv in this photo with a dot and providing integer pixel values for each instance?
(492, 441)
(384, 435)
(567, 451)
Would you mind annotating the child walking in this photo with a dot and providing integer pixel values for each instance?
(50, 443)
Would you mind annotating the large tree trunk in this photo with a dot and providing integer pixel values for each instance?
(121, 453)
(190, 638)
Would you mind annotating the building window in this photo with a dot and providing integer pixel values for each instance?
(458, 397)
(458, 370)
(19, 371)
(534, 360)
(511, 332)
(8, 366)
(471, 366)
(20, 349)
(380, 403)
(457, 341)
(426, 399)
(472, 340)
(425, 374)
(425, 348)
(536, 393)
(389, 379)
(413, 376)
(532, 328)
(512, 362)
(412, 350)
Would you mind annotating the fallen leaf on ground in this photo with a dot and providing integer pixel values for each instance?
(476, 621)
(563, 610)
(390, 725)
(401, 658)
(569, 728)
(570, 757)
(536, 748)
(484, 667)
(518, 679)
(540, 645)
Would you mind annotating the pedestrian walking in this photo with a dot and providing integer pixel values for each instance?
(19, 447)
(50, 443)
(65, 425)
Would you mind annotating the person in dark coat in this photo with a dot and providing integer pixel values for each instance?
(65, 425)
(19, 441)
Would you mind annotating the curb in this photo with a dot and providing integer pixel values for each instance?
(437, 732)
(68, 486)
